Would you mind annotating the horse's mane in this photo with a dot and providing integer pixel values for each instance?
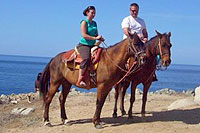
(149, 42)
(115, 44)
(164, 34)
(152, 38)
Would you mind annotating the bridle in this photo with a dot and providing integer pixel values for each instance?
(161, 53)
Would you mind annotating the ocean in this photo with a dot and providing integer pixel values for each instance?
(18, 74)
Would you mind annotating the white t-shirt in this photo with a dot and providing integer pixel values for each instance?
(134, 24)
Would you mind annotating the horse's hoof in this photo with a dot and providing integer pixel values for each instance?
(143, 119)
(48, 124)
(66, 122)
(123, 113)
(143, 114)
(130, 117)
(98, 126)
(114, 115)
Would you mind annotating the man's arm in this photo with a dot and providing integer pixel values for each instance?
(125, 31)
(145, 34)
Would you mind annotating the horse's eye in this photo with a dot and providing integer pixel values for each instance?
(164, 45)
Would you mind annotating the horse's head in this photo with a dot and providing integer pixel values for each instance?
(135, 48)
(163, 48)
(134, 38)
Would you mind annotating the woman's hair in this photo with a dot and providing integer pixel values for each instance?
(87, 9)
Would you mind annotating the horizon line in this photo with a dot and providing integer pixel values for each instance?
(53, 56)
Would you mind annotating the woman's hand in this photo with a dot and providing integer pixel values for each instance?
(100, 38)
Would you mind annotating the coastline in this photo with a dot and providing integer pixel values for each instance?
(15, 98)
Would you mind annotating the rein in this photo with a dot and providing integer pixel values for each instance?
(159, 47)
(112, 60)
(159, 66)
(133, 50)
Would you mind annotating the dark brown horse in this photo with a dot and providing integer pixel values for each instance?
(109, 71)
(158, 45)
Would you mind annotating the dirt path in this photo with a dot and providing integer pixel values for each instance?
(80, 109)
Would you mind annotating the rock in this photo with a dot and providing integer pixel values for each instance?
(73, 89)
(14, 102)
(37, 94)
(29, 98)
(27, 111)
(72, 93)
(3, 96)
(22, 96)
(151, 93)
(22, 111)
(165, 91)
(5, 99)
(17, 97)
(17, 111)
(181, 103)
(91, 93)
(197, 95)
(139, 91)
(190, 92)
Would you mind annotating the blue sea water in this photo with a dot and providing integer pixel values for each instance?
(18, 74)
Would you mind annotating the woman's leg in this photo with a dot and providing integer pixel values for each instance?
(84, 51)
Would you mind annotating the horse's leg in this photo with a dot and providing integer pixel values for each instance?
(65, 91)
(102, 93)
(116, 98)
(53, 88)
(132, 99)
(144, 98)
(123, 89)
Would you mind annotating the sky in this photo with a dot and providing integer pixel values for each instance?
(47, 27)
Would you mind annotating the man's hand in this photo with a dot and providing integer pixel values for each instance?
(144, 40)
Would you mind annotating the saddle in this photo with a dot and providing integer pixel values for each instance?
(73, 59)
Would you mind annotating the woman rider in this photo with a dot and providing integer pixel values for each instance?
(89, 34)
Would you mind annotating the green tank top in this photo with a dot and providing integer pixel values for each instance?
(91, 30)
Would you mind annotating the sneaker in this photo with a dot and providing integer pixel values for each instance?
(82, 84)
(154, 78)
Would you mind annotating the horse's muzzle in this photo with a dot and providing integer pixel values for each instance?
(166, 63)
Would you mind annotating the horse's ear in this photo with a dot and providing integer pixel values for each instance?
(169, 34)
(133, 36)
(158, 34)
(130, 35)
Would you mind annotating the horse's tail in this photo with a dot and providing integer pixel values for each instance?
(44, 81)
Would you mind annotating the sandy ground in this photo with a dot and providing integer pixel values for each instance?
(80, 109)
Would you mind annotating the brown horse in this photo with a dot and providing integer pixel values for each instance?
(109, 71)
(158, 45)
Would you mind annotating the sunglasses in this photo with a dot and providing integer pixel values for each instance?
(134, 11)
